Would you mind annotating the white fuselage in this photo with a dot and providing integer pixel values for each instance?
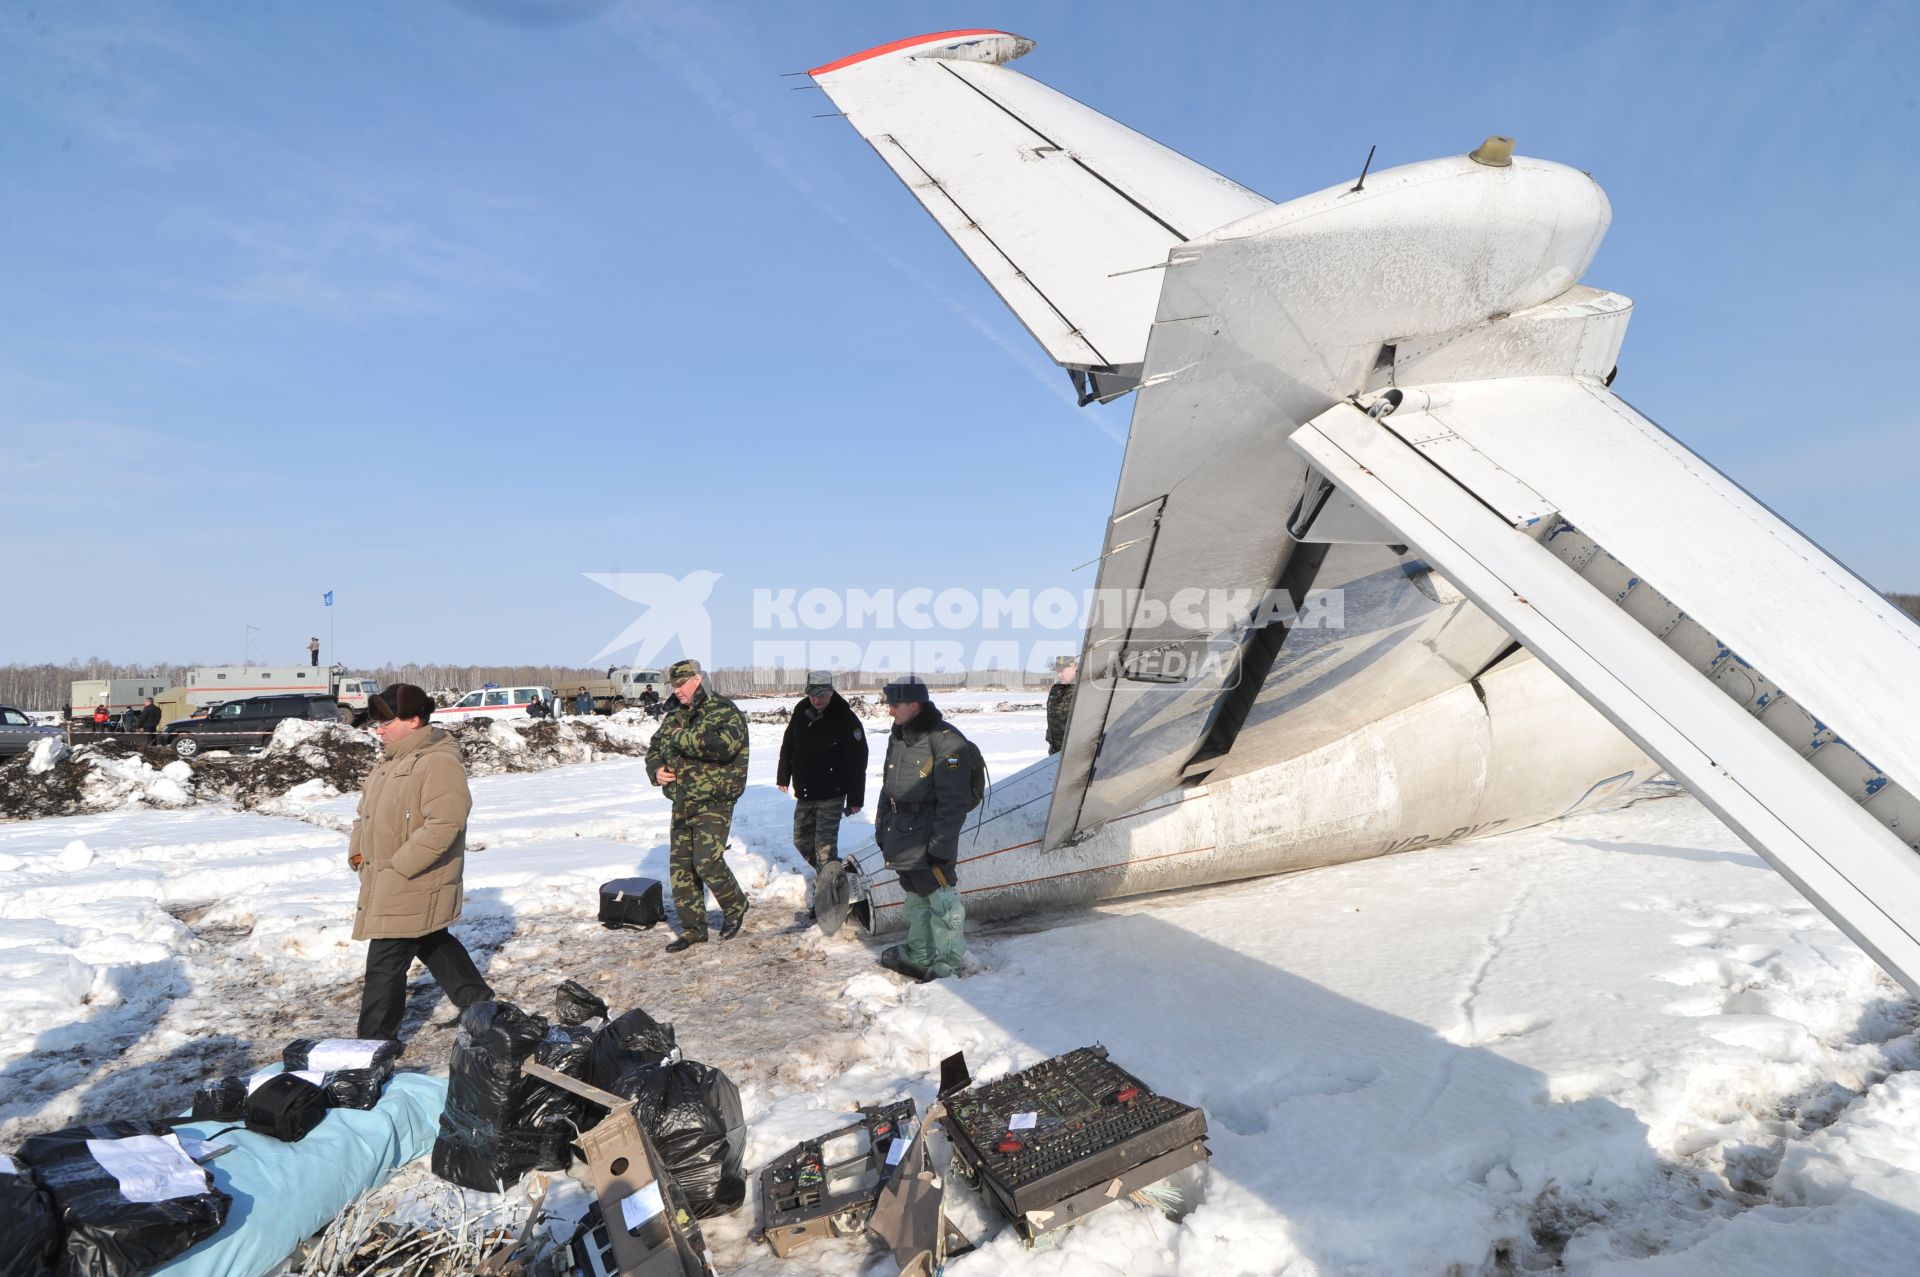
(1519, 749)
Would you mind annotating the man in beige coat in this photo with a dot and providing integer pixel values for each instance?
(409, 846)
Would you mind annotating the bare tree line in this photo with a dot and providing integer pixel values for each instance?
(47, 686)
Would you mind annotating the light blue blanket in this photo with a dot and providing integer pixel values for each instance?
(284, 1193)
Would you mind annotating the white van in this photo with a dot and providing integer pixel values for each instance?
(493, 702)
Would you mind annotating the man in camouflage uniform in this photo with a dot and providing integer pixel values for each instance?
(925, 794)
(699, 754)
(1060, 707)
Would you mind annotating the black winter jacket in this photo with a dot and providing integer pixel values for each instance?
(824, 755)
(924, 796)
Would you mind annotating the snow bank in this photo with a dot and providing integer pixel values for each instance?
(302, 764)
(55, 780)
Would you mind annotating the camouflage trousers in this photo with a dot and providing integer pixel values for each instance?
(816, 829)
(697, 863)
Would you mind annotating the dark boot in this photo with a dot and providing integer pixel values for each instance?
(894, 958)
(730, 927)
(685, 943)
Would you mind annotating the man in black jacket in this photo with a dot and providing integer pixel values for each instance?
(823, 760)
(149, 721)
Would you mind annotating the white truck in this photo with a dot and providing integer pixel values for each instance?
(212, 684)
(118, 694)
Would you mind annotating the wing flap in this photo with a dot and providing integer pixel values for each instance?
(1830, 829)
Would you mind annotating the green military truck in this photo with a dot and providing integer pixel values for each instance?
(617, 691)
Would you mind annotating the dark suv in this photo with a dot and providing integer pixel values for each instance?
(18, 733)
(246, 724)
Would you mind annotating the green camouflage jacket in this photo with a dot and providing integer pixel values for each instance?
(705, 746)
(1059, 710)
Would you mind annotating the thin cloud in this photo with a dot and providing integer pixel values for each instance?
(59, 464)
(349, 247)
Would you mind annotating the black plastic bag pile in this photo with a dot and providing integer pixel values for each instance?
(109, 1199)
(480, 1145)
(499, 1124)
(691, 1111)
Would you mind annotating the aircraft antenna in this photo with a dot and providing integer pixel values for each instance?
(1363, 169)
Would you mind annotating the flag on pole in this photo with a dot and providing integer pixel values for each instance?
(329, 598)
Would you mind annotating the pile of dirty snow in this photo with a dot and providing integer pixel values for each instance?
(305, 762)
(493, 746)
(55, 779)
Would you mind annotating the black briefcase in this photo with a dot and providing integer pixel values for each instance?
(286, 1106)
(630, 902)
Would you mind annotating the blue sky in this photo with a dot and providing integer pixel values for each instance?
(440, 309)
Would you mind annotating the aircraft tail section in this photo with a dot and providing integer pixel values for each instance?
(1761, 673)
(1065, 212)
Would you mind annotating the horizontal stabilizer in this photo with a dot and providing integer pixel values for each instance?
(1065, 212)
(1772, 682)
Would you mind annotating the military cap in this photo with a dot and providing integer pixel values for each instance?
(908, 688)
(819, 681)
(680, 671)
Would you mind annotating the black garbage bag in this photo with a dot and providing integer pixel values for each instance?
(108, 1234)
(29, 1242)
(356, 1088)
(221, 1100)
(693, 1114)
(478, 1146)
(575, 1003)
(328, 1055)
(633, 1043)
(552, 1116)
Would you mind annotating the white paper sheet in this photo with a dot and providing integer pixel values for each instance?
(1022, 1121)
(642, 1206)
(253, 1083)
(149, 1168)
(331, 1054)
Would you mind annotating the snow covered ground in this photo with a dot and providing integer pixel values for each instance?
(1618, 1044)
